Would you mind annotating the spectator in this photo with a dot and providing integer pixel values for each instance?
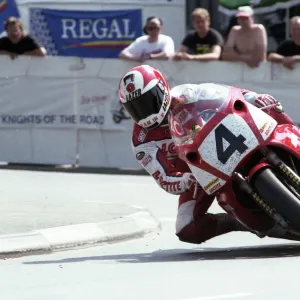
(17, 42)
(247, 42)
(288, 52)
(204, 44)
(153, 45)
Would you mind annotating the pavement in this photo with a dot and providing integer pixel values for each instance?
(42, 213)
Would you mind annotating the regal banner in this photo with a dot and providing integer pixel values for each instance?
(101, 34)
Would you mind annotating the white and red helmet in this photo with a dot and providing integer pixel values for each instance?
(145, 95)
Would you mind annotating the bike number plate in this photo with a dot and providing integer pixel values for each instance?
(224, 147)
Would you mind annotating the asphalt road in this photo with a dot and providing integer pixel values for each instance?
(233, 266)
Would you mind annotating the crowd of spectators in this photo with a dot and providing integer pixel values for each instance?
(246, 42)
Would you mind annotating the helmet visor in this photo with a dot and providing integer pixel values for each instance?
(145, 105)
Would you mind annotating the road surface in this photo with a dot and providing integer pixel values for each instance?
(234, 266)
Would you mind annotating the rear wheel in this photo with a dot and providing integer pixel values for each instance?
(278, 196)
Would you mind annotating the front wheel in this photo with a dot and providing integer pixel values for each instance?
(278, 196)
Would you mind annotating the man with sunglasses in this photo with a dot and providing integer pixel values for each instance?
(153, 45)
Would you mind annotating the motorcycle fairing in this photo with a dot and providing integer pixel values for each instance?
(234, 136)
(287, 137)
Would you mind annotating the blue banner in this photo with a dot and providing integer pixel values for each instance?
(8, 8)
(101, 34)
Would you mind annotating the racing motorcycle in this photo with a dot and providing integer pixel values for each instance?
(240, 155)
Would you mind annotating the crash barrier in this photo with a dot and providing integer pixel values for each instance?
(65, 110)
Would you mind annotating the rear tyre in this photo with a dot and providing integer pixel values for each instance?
(278, 196)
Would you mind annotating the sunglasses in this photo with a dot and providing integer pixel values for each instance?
(152, 28)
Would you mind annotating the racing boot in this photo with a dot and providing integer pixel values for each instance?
(208, 226)
(227, 223)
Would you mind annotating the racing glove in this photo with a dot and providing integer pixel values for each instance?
(263, 100)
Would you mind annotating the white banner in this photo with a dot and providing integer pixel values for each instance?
(62, 110)
(30, 103)
(98, 105)
(87, 103)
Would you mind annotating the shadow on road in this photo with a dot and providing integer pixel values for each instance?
(179, 255)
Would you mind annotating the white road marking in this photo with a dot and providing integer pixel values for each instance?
(217, 297)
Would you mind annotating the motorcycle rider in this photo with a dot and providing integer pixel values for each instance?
(145, 94)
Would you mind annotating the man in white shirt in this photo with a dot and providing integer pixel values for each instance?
(154, 45)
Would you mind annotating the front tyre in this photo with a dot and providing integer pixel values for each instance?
(278, 196)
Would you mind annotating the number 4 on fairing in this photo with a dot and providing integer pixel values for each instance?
(234, 143)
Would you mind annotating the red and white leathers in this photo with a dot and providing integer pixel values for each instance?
(156, 152)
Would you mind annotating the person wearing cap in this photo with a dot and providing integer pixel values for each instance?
(288, 52)
(153, 45)
(247, 42)
(203, 44)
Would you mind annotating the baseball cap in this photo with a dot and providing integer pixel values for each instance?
(244, 11)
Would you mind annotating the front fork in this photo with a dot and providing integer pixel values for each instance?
(273, 161)
(245, 186)
(290, 175)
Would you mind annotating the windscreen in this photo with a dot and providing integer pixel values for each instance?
(188, 118)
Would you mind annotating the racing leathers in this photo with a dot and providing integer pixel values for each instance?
(156, 152)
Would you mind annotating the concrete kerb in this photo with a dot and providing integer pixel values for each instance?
(132, 226)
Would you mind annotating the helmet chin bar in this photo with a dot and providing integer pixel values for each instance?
(165, 121)
(156, 124)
